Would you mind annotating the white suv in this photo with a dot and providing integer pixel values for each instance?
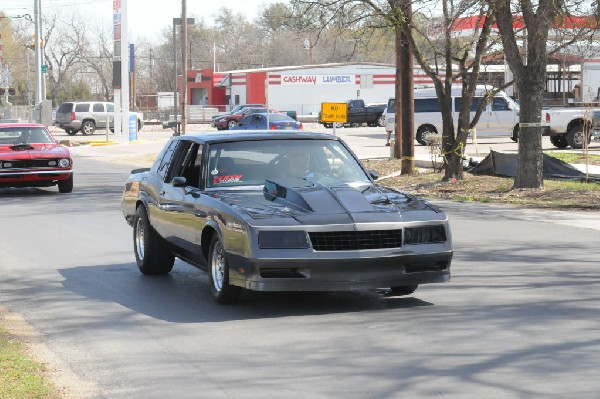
(87, 116)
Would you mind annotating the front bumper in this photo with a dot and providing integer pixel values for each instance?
(340, 272)
(33, 178)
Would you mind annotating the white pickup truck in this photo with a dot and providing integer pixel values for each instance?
(569, 126)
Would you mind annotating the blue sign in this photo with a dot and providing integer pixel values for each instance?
(132, 127)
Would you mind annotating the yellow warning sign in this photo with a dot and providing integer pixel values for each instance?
(334, 112)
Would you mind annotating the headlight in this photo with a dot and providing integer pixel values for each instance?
(64, 163)
(282, 239)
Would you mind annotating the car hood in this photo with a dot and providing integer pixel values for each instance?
(38, 151)
(314, 203)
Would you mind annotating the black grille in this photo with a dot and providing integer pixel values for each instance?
(354, 240)
(27, 163)
(424, 235)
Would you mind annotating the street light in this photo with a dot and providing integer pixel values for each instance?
(177, 21)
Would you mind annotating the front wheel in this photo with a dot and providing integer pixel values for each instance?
(232, 124)
(403, 290)
(151, 254)
(65, 186)
(381, 120)
(218, 274)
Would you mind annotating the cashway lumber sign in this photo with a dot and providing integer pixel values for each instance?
(334, 112)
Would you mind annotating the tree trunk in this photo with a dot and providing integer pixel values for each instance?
(530, 160)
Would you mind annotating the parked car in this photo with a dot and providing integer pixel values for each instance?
(281, 211)
(31, 157)
(500, 117)
(234, 110)
(87, 116)
(228, 121)
(277, 121)
(571, 126)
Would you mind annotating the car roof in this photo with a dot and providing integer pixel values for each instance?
(21, 124)
(270, 113)
(245, 135)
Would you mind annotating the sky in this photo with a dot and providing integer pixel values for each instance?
(146, 18)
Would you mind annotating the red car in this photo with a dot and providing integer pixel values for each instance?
(31, 157)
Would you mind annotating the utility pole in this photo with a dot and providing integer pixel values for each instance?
(184, 66)
(37, 16)
(407, 98)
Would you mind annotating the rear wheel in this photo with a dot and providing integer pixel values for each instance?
(403, 290)
(151, 253)
(576, 137)
(423, 134)
(381, 120)
(559, 141)
(66, 186)
(88, 127)
(218, 274)
(71, 132)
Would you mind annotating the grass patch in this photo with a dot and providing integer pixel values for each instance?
(571, 185)
(574, 157)
(20, 376)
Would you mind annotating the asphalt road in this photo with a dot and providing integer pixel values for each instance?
(519, 319)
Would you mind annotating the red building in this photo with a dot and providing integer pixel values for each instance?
(202, 88)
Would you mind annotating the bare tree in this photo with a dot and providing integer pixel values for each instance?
(529, 69)
(62, 54)
(97, 58)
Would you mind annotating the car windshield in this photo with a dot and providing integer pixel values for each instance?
(246, 163)
(24, 135)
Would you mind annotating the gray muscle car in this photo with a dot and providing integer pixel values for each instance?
(281, 211)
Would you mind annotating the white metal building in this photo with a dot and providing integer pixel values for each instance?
(304, 88)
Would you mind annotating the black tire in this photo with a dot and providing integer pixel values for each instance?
(559, 141)
(139, 125)
(516, 133)
(231, 124)
(71, 132)
(403, 290)
(65, 186)
(151, 253)
(422, 132)
(328, 125)
(88, 128)
(381, 120)
(218, 274)
(576, 137)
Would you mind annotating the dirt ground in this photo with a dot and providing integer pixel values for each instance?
(484, 188)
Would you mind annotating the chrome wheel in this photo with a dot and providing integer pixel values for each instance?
(139, 240)
(217, 266)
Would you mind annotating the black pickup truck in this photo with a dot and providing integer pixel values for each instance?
(359, 113)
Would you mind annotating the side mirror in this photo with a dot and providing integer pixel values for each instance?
(179, 181)
(374, 175)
